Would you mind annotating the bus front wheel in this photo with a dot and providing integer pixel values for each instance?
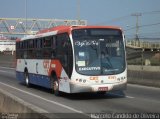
(55, 85)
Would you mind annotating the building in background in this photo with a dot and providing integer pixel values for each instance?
(7, 45)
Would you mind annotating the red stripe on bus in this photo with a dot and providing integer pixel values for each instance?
(56, 66)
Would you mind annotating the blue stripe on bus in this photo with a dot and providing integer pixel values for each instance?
(20, 76)
(36, 79)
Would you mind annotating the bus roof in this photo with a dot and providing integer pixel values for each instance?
(63, 29)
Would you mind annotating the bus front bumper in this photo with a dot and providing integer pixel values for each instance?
(75, 88)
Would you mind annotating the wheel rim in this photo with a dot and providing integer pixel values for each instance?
(55, 85)
(27, 80)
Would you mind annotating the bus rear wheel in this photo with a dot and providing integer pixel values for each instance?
(26, 79)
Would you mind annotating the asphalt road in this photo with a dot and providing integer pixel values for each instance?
(138, 99)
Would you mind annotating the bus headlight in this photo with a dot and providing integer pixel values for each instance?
(81, 80)
(118, 79)
(121, 78)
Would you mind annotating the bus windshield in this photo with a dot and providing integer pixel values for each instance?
(99, 51)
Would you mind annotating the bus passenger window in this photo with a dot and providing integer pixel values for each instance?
(53, 54)
(47, 42)
(54, 42)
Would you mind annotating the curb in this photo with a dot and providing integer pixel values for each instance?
(144, 82)
(10, 104)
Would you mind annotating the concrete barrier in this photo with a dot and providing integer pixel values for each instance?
(146, 75)
(145, 82)
(14, 107)
(144, 68)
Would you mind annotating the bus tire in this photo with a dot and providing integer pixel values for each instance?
(55, 85)
(26, 76)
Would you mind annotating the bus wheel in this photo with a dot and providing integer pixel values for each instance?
(26, 79)
(55, 85)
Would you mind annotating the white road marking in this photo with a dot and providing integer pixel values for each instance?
(3, 71)
(35, 108)
(7, 68)
(50, 101)
(13, 73)
(129, 97)
(142, 86)
(121, 95)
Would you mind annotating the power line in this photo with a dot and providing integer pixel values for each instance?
(128, 16)
(145, 34)
(119, 18)
(114, 20)
(155, 33)
(152, 12)
(146, 25)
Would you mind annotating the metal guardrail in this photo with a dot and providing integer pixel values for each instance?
(143, 44)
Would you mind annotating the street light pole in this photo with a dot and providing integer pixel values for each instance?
(78, 9)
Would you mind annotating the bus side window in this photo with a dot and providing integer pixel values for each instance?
(64, 52)
(53, 42)
(53, 47)
(39, 43)
(47, 42)
(61, 49)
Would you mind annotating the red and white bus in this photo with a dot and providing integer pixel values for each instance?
(73, 59)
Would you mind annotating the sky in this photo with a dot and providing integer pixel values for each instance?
(96, 12)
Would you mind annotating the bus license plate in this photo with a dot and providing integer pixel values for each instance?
(102, 88)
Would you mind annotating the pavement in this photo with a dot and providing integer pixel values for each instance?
(137, 100)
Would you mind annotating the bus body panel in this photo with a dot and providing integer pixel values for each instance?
(39, 73)
(81, 83)
(40, 70)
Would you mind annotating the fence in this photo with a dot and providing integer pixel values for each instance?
(143, 44)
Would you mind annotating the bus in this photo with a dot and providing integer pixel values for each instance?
(73, 59)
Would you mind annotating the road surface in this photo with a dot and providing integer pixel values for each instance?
(138, 99)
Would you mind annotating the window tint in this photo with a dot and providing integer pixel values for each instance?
(47, 42)
(64, 52)
(52, 47)
(39, 48)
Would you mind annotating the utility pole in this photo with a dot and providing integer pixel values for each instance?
(137, 24)
(78, 9)
(26, 16)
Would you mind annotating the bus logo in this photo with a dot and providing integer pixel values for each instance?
(46, 65)
(94, 78)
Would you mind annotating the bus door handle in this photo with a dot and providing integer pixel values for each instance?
(37, 68)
